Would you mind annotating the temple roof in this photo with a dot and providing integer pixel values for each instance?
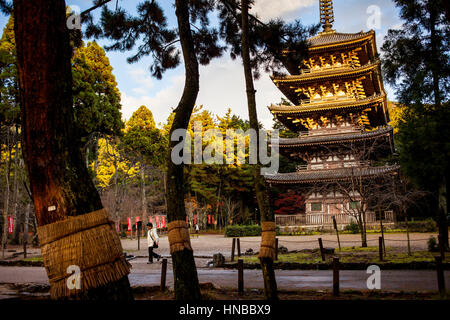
(327, 105)
(330, 139)
(329, 175)
(327, 74)
(336, 39)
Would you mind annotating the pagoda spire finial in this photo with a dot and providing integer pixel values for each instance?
(326, 15)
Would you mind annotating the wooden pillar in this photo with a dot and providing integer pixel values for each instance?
(163, 274)
(441, 247)
(276, 249)
(238, 247)
(322, 253)
(240, 276)
(440, 276)
(335, 277)
(380, 248)
(233, 245)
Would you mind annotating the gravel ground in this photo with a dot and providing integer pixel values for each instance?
(205, 245)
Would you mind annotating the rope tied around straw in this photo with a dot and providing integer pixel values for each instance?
(268, 235)
(88, 242)
(178, 236)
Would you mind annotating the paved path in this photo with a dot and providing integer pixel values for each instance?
(149, 275)
(207, 245)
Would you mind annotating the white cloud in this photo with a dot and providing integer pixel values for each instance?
(160, 102)
(141, 77)
(222, 86)
(269, 9)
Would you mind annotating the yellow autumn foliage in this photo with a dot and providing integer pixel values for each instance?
(107, 156)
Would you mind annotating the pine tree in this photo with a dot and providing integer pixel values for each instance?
(197, 46)
(96, 96)
(416, 62)
(269, 47)
(58, 175)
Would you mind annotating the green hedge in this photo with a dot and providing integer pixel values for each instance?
(428, 225)
(245, 230)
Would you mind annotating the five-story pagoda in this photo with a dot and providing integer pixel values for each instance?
(339, 112)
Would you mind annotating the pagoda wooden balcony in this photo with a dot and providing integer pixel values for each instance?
(325, 219)
(330, 175)
(323, 100)
(347, 66)
(333, 165)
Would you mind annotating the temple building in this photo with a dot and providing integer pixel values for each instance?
(339, 113)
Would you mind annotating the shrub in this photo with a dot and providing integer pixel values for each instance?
(432, 245)
(245, 230)
(352, 227)
(428, 225)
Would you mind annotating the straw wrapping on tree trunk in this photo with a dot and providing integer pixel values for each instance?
(88, 242)
(268, 235)
(179, 236)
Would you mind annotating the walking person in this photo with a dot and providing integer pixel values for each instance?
(196, 229)
(152, 241)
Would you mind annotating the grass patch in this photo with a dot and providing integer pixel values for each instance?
(34, 259)
(360, 249)
(353, 255)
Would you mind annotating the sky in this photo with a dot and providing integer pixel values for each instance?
(222, 83)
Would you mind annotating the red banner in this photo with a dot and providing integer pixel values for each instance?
(187, 221)
(150, 219)
(163, 221)
(10, 224)
(129, 224)
(156, 221)
(212, 219)
(209, 219)
(195, 219)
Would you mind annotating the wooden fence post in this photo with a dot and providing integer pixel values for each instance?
(337, 232)
(240, 276)
(441, 247)
(335, 277)
(233, 245)
(163, 274)
(380, 248)
(322, 253)
(276, 249)
(440, 276)
(239, 247)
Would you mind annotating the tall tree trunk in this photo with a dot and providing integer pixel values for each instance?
(6, 203)
(184, 270)
(434, 42)
(96, 158)
(25, 230)
(165, 189)
(442, 212)
(435, 69)
(143, 197)
(407, 232)
(382, 231)
(58, 176)
(116, 195)
(270, 284)
(361, 230)
(16, 214)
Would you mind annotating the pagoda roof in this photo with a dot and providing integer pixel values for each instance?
(333, 138)
(324, 105)
(329, 175)
(326, 74)
(337, 39)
